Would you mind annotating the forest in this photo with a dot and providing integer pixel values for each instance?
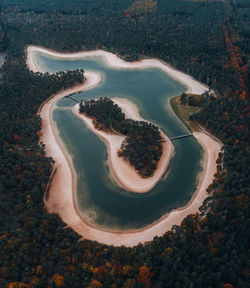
(206, 39)
(142, 146)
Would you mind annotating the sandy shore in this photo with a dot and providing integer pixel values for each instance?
(122, 172)
(61, 198)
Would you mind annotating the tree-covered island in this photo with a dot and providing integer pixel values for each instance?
(142, 146)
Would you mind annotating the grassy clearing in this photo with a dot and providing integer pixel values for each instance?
(183, 112)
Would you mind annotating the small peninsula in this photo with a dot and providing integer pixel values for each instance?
(142, 147)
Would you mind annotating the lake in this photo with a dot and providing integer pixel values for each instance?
(100, 201)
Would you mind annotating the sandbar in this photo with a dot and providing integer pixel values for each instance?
(61, 196)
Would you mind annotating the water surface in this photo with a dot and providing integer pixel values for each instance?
(101, 201)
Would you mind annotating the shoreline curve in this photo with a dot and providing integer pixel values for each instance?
(61, 199)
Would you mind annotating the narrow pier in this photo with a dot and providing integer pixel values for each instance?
(72, 98)
(181, 136)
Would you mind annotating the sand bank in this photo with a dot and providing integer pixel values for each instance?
(61, 198)
(122, 172)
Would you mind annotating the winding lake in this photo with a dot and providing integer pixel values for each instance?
(100, 201)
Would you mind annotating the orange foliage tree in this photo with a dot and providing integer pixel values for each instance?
(19, 285)
(145, 276)
(58, 280)
(95, 284)
(228, 285)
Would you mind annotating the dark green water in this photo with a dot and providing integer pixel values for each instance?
(100, 200)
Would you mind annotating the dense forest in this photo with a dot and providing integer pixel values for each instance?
(207, 39)
(142, 146)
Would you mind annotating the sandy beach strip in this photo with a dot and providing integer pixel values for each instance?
(121, 171)
(61, 198)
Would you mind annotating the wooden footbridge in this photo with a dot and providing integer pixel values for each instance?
(72, 98)
(181, 136)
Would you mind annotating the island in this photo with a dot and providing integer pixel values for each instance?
(120, 138)
(142, 146)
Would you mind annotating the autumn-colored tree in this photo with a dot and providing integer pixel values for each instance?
(13, 285)
(117, 268)
(19, 285)
(169, 251)
(99, 270)
(144, 276)
(228, 285)
(39, 270)
(58, 280)
(95, 284)
(16, 137)
(127, 270)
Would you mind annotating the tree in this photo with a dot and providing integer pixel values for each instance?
(145, 276)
